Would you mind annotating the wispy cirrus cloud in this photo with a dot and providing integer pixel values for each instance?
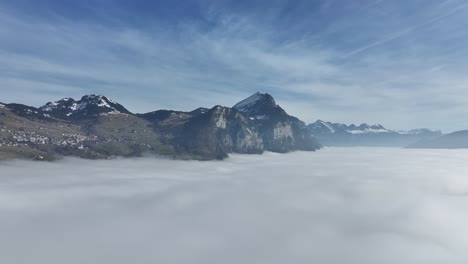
(392, 63)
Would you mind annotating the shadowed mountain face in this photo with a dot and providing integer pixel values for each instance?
(97, 127)
(27, 111)
(219, 131)
(257, 105)
(455, 140)
(280, 131)
(336, 134)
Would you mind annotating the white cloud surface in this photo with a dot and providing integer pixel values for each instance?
(350, 205)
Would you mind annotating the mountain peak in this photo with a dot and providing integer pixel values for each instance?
(95, 97)
(256, 104)
(366, 126)
(87, 106)
(99, 100)
(323, 127)
(199, 111)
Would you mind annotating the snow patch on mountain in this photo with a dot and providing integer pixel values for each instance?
(323, 127)
(261, 117)
(29, 111)
(329, 126)
(332, 128)
(368, 130)
(113, 113)
(78, 106)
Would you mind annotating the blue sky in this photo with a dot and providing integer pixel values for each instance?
(399, 63)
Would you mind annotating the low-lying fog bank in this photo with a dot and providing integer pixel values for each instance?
(338, 205)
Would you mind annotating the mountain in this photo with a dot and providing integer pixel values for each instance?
(89, 106)
(336, 134)
(27, 132)
(199, 111)
(26, 111)
(455, 140)
(97, 127)
(219, 131)
(322, 127)
(280, 131)
(257, 105)
(207, 133)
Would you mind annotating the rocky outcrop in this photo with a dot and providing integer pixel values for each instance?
(219, 131)
(280, 131)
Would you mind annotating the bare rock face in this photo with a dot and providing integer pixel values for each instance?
(220, 131)
(280, 131)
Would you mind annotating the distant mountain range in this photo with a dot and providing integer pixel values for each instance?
(455, 140)
(336, 134)
(96, 127)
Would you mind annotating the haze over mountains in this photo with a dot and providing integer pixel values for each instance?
(97, 127)
(336, 134)
(455, 140)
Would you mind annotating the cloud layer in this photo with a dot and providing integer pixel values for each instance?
(355, 205)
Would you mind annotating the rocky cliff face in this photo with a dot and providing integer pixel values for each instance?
(220, 131)
(280, 131)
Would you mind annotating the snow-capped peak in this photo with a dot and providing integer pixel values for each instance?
(88, 105)
(58, 105)
(99, 100)
(366, 129)
(322, 127)
(327, 127)
(256, 104)
(319, 124)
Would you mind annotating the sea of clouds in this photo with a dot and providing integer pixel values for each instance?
(337, 205)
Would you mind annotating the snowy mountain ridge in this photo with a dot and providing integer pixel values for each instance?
(328, 127)
(336, 134)
(87, 106)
